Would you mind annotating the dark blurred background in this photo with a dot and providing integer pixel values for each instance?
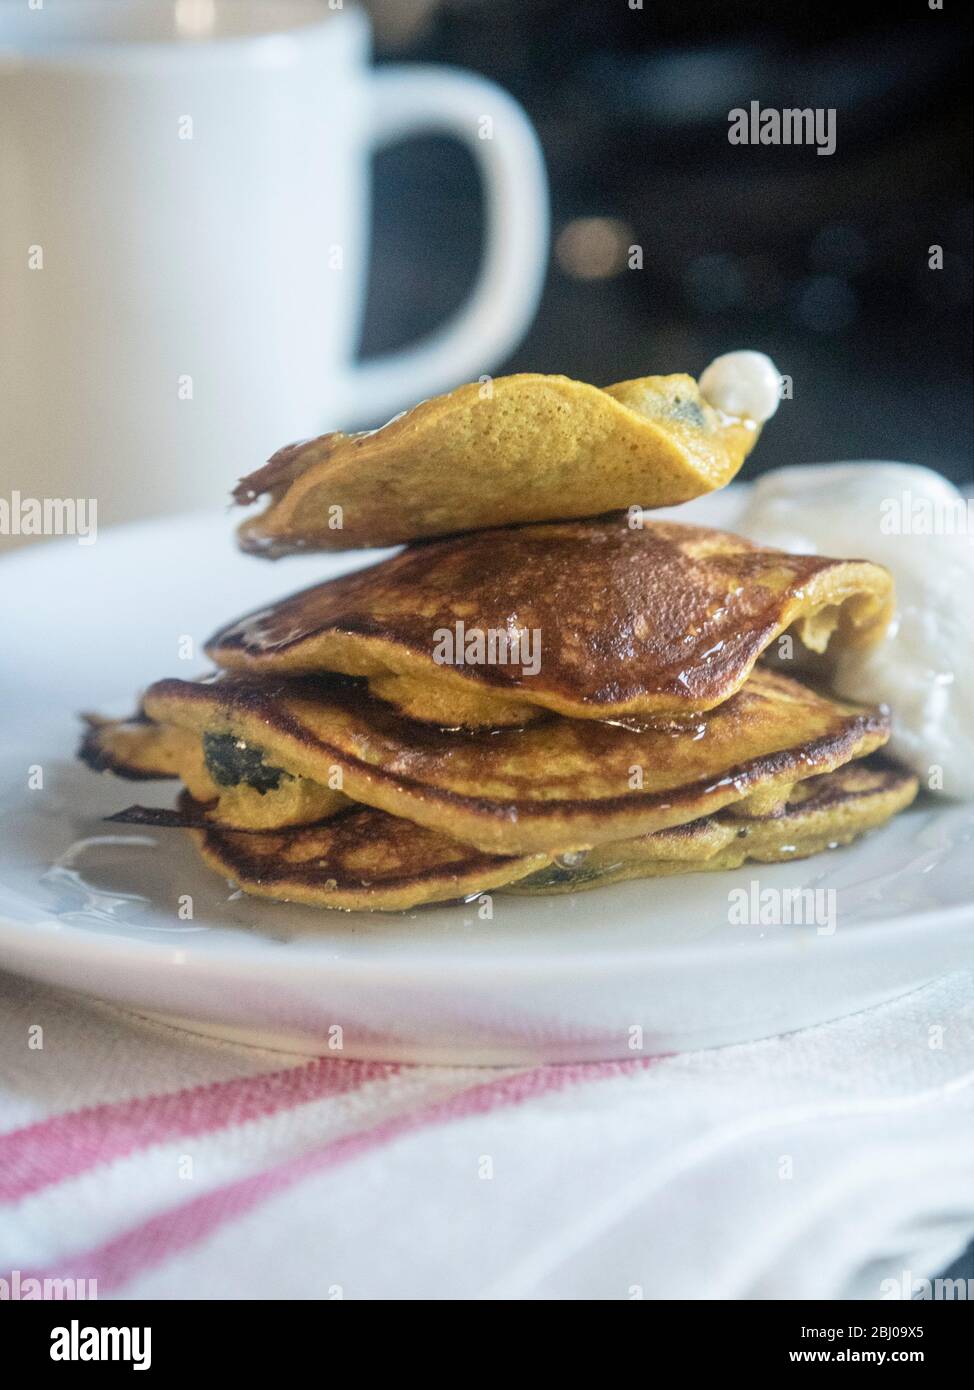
(821, 261)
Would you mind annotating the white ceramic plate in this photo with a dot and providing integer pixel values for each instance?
(658, 964)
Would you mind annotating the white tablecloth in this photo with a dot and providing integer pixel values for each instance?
(836, 1162)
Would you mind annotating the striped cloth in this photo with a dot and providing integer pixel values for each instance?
(830, 1163)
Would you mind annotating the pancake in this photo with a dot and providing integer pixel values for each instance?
(590, 619)
(359, 859)
(556, 785)
(821, 813)
(519, 449)
(367, 859)
(141, 749)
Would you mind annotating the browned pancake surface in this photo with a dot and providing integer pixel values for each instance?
(557, 784)
(363, 858)
(665, 618)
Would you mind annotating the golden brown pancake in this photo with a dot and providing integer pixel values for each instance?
(616, 622)
(141, 749)
(821, 813)
(359, 859)
(519, 449)
(556, 785)
(367, 859)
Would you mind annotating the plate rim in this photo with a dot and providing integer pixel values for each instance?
(109, 944)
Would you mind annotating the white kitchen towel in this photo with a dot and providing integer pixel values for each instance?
(836, 1162)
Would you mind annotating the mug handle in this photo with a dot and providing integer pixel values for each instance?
(417, 99)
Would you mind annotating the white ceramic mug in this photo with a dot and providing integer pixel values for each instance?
(184, 195)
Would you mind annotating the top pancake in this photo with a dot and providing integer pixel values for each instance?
(657, 619)
(518, 449)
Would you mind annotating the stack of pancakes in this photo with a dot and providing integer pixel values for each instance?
(544, 690)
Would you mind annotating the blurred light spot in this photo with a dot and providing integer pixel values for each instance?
(697, 85)
(195, 19)
(715, 282)
(842, 250)
(593, 248)
(400, 22)
(826, 304)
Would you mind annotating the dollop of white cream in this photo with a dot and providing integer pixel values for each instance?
(744, 384)
(919, 526)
